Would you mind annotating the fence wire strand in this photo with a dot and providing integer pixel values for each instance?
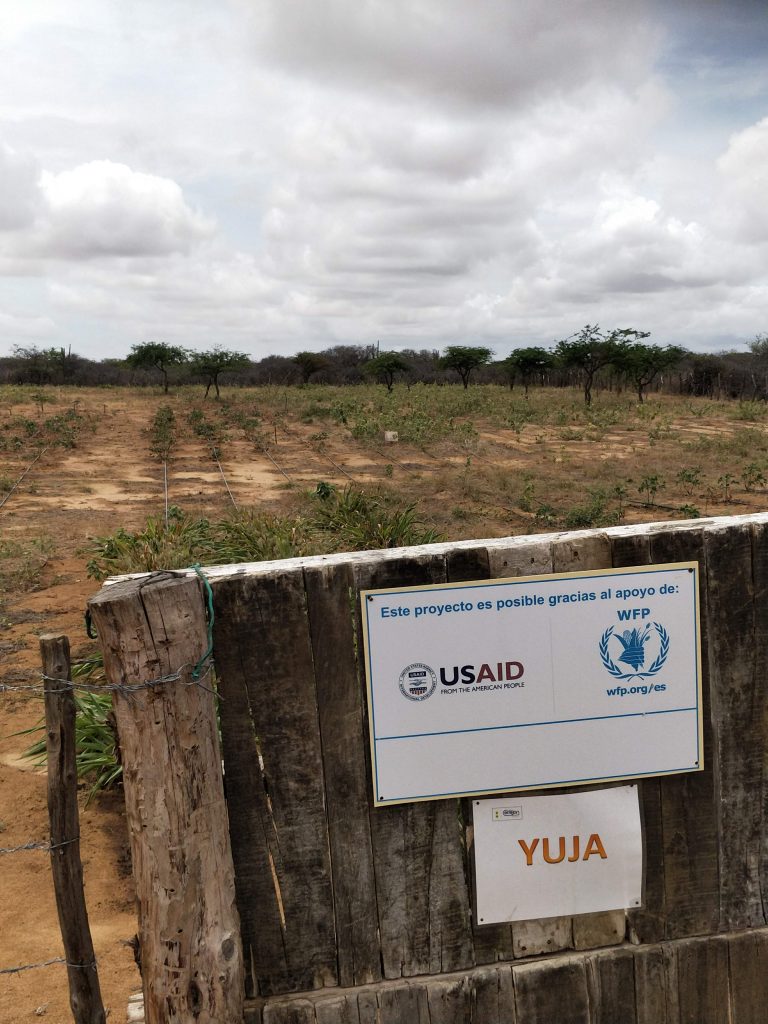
(47, 847)
(47, 963)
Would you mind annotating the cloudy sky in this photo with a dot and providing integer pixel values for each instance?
(273, 175)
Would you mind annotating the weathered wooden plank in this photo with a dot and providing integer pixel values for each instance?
(400, 1003)
(531, 558)
(646, 924)
(64, 817)
(688, 802)
(188, 923)
(548, 992)
(702, 978)
(295, 1012)
(422, 892)
(493, 996)
(740, 716)
(340, 1009)
(263, 645)
(611, 982)
(655, 990)
(467, 564)
(449, 1000)
(760, 657)
(548, 935)
(748, 961)
(343, 730)
(583, 554)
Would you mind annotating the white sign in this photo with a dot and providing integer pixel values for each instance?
(502, 685)
(558, 855)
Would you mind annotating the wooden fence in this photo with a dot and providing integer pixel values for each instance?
(355, 914)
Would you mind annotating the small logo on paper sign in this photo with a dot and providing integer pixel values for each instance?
(631, 647)
(417, 681)
(509, 813)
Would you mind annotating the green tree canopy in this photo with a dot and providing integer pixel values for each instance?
(529, 363)
(158, 356)
(591, 349)
(386, 366)
(309, 363)
(464, 359)
(211, 364)
(641, 364)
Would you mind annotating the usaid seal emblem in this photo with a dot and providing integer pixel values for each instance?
(633, 653)
(417, 682)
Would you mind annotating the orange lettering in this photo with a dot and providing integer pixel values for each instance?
(561, 850)
(529, 850)
(595, 841)
(575, 855)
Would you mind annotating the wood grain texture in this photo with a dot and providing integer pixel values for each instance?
(688, 802)
(655, 986)
(422, 892)
(493, 996)
(740, 717)
(702, 979)
(450, 1001)
(611, 982)
(760, 656)
(748, 963)
(552, 991)
(343, 732)
(583, 554)
(189, 928)
(64, 817)
(264, 648)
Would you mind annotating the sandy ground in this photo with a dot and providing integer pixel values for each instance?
(109, 480)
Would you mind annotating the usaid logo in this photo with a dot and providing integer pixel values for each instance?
(417, 681)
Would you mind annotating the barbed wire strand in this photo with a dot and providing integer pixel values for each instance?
(47, 963)
(48, 847)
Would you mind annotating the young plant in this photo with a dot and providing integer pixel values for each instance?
(649, 486)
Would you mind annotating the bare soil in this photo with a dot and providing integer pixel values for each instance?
(110, 479)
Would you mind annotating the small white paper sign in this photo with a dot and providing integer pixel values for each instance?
(553, 856)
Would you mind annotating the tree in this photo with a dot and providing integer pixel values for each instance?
(529, 363)
(591, 349)
(641, 364)
(210, 365)
(386, 366)
(464, 359)
(156, 355)
(309, 363)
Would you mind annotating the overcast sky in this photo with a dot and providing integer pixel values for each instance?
(274, 175)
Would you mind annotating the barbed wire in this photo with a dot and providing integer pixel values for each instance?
(126, 689)
(47, 846)
(47, 963)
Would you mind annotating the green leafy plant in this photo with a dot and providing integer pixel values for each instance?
(649, 486)
(752, 477)
(689, 478)
(726, 481)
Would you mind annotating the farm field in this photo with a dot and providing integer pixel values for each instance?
(477, 463)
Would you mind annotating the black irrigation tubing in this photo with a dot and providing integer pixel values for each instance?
(38, 456)
(215, 458)
(323, 455)
(279, 468)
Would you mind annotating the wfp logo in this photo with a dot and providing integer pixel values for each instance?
(631, 647)
(417, 682)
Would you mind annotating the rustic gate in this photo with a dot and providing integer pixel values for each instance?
(357, 914)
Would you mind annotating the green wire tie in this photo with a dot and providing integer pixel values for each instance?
(198, 669)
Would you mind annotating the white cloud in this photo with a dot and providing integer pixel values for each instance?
(106, 209)
(19, 196)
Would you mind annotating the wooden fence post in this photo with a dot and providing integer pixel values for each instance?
(189, 928)
(66, 866)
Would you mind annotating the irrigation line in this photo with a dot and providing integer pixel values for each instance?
(165, 487)
(322, 454)
(38, 456)
(216, 460)
(264, 451)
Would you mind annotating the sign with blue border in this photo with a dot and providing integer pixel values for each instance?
(535, 682)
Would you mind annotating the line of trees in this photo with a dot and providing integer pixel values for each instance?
(618, 359)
